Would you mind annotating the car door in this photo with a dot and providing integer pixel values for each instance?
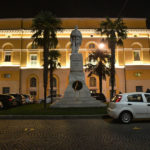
(147, 97)
(138, 106)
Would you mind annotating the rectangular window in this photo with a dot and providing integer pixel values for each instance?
(136, 55)
(7, 76)
(6, 90)
(33, 59)
(7, 57)
(139, 88)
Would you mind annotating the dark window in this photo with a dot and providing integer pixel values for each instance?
(135, 98)
(147, 97)
(139, 88)
(33, 82)
(91, 45)
(6, 90)
(33, 93)
(92, 81)
(7, 75)
(7, 56)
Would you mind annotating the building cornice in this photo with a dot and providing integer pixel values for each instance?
(86, 33)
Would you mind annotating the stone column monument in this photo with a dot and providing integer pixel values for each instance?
(77, 93)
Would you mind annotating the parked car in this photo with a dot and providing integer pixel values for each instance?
(128, 106)
(7, 101)
(19, 98)
(99, 96)
(28, 98)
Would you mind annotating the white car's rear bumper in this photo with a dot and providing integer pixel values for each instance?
(112, 113)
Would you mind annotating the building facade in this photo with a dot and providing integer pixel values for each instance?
(21, 68)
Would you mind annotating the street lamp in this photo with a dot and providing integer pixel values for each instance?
(101, 45)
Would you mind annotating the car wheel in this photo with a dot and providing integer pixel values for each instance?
(125, 117)
(1, 105)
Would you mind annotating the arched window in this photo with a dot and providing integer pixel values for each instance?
(136, 49)
(54, 82)
(136, 55)
(92, 81)
(91, 46)
(33, 82)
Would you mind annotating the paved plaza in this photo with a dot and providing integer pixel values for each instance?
(73, 134)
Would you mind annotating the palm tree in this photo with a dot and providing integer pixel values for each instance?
(148, 27)
(45, 25)
(98, 65)
(115, 32)
(53, 63)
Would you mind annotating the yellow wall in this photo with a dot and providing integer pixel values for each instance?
(22, 43)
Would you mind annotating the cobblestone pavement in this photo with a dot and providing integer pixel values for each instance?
(74, 134)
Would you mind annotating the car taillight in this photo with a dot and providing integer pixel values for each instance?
(10, 99)
(118, 99)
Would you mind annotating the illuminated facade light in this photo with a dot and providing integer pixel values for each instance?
(101, 45)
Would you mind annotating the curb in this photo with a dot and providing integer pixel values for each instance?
(51, 116)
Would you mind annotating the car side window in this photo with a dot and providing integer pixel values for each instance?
(135, 98)
(147, 96)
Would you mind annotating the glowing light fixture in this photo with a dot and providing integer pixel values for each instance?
(101, 45)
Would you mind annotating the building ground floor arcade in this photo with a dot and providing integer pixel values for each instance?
(30, 81)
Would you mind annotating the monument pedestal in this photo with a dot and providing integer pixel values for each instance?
(77, 93)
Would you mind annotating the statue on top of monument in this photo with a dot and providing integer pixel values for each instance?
(76, 40)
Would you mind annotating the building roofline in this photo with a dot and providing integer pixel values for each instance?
(83, 18)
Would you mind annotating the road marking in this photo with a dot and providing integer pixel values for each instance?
(136, 128)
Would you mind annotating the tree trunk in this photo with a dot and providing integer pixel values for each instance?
(112, 77)
(100, 80)
(45, 72)
(100, 84)
(51, 82)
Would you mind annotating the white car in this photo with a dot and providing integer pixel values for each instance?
(129, 105)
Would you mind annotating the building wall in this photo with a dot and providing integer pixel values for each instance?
(15, 37)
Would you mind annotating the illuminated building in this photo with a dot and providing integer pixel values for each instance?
(21, 64)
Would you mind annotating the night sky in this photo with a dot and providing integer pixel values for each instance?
(75, 8)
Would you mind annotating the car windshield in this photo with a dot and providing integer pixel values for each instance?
(115, 98)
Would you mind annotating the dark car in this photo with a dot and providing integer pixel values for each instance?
(99, 96)
(7, 101)
(19, 98)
